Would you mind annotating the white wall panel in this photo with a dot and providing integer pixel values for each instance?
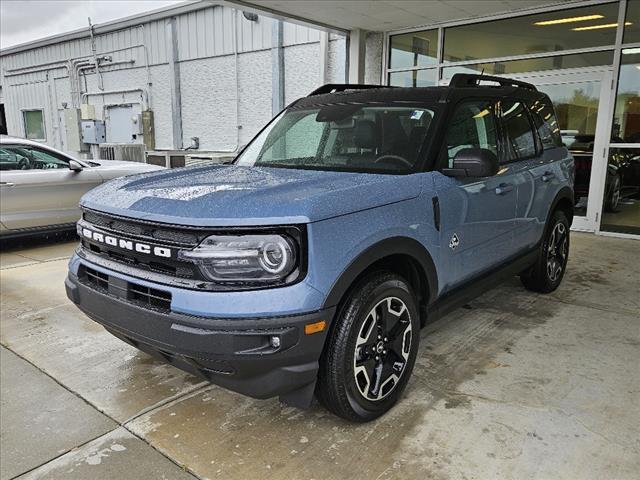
(301, 71)
(206, 46)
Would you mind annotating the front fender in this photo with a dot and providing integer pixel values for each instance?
(378, 251)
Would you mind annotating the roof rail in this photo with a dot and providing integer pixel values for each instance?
(473, 80)
(341, 87)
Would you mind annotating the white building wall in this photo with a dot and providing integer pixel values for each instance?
(38, 78)
(302, 70)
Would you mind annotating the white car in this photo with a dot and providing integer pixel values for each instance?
(40, 186)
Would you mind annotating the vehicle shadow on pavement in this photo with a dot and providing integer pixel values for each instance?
(12, 245)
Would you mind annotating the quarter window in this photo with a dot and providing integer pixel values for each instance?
(519, 135)
(473, 125)
(34, 124)
(546, 123)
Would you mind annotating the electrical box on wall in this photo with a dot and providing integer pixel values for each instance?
(93, 132)
(72, 128)
(88, 112)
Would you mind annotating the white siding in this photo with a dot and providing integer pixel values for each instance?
(205, 46)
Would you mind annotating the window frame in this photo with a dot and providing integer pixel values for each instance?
(24, 124)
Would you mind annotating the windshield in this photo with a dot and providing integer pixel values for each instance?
(350, 137)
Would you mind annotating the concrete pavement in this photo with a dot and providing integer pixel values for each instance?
(514, 386)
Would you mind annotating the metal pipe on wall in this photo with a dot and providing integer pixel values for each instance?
(146, 64)
(143, 91)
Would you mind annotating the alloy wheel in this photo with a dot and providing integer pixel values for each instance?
(382, 349)
(557, 251)
(615, 195)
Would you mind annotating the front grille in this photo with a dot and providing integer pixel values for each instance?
(152, 297)
(150, 231)
(146, 297)
(167, 269)
(146, 232)
(99, 280)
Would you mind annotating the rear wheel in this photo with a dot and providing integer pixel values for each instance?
(547, 273)
(613, 197)
(370, 354)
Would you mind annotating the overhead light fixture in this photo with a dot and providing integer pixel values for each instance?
(598, 27)
(559, 21)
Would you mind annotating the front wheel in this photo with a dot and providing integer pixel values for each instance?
(370, 353)
(547, 273)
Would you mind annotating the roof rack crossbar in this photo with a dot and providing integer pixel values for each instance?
(341, 87)
(473, 80)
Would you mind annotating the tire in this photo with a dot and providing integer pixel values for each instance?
(613, 198)
(546, 274)
(371, 350)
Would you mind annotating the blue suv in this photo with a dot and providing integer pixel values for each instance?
(309, 266)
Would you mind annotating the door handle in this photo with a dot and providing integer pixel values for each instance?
(503, 188)
(7, 184)
(546, 176)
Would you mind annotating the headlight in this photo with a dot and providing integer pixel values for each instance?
(244, 258)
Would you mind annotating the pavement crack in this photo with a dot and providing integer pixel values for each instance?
(192, 391)
(65, 452)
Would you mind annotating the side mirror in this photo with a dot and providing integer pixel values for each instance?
(75, 166)
(473, 162)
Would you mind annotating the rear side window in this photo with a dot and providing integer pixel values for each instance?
(520, 140)
(546, 123)
(473, 125)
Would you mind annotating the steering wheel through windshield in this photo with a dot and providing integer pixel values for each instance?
(398, 158)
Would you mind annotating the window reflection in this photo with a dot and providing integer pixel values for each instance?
(414, 49)
(414, 78)
(621, 203)
(540, 33)
(632, 22)
(534, 64)
(626, 120)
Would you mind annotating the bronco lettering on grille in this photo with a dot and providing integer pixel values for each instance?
(127, 244)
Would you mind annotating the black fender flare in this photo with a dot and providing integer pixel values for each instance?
(378, 251)
(565, 193)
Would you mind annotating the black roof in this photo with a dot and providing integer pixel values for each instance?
(461, 83)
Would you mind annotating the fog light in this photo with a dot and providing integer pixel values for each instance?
(275, 342)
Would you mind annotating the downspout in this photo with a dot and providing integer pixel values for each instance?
(146, 65)
(277, 68)
(174, 83)
(95, 56)
(237, 82)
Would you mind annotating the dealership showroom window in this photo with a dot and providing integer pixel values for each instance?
(574, 56)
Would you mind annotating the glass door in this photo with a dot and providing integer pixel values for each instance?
(581, 104)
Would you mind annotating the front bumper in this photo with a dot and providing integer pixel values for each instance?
(238, 354)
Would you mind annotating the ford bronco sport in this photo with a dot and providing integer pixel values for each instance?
(355, 216)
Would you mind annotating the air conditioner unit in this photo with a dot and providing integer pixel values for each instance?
(133, 152)
(166, 158)
(200, 159)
